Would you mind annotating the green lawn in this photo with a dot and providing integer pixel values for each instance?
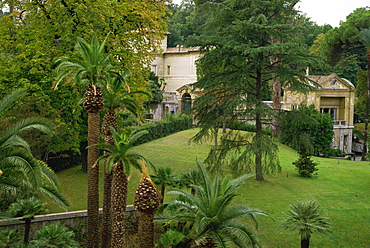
(342, 188)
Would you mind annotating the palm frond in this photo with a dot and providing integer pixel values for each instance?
(9, 99)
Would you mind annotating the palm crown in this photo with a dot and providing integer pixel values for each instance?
(210, 213)
(17, 164)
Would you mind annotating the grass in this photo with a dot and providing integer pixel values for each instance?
(341, 187)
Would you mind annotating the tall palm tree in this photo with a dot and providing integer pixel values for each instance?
(365, 39)
(306, 217)
(92, 68)
(117, 95)
(17, 164)
(210, 214)
(119, 158)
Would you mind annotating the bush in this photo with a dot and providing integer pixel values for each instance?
(305, 166)
(7, 197)
(163, 128)
(307, 121)
(9, 238)
(54, 236)
(332, 152)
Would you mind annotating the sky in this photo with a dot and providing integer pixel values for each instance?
(327, 11)
(330, 11)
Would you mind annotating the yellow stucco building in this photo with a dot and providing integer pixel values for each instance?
(334, 96)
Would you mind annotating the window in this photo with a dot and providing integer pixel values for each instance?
(168, 70)
(331, 111)
(293, 107)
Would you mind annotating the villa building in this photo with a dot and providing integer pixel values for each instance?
(177, 66)
(335, 96)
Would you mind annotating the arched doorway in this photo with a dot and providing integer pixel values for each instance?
(186, 101)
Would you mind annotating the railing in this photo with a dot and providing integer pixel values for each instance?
(339, 123)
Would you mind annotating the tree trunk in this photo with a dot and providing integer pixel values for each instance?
(110, 120)
(27, 227)
(276, 105)
(258, 154)
(93, 103)
(364, 149)
(119, 197)
(305, 243)
(93, 181)
(146, 229)
(106, 232)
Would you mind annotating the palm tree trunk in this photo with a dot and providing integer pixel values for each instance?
(305, 243)
(93, 181)
(146, 201)
(93, 103)
(119, 196)
(146, 229)
(27, 227)
(110, 120)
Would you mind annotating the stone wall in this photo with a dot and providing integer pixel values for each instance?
(76, 221)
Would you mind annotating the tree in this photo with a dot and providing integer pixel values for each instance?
(54, 235)
(92, 69)
(365, 39)
(163, 177)
(17, 164)
(361, 93)
(147, 200)
(306, 218)
(210, 213)
(342, 46)
(117, 96)
(238, 40)
(30, 43)
(119, 159)
(26, 209)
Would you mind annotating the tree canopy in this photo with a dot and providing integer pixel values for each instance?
(246, 45)
(35, 33)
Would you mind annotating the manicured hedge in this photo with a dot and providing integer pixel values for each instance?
(162, 128)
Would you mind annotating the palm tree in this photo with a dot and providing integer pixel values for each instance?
(54, 235)
(117, 95)
(119, 158)
(306, 217)
(18, 167)
(92, 68)
(26, 209)
(9, 238)
(147, 200)
(212, 219)
(365, 39)
(163, 177)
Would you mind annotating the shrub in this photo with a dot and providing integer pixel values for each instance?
(332, 152)
(307, 121)
(305, 166)
(162, 128)
(54, 236)
(9, 238)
